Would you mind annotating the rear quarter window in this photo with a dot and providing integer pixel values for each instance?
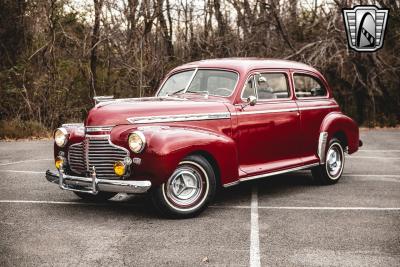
(308, 86)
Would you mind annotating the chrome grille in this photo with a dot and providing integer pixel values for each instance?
(76, 158)
(97, 152)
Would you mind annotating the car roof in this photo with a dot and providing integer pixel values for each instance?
(247, 64)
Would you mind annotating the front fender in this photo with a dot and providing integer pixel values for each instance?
(337, 122)
(167, 146)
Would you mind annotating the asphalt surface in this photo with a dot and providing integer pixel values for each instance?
(353, 223)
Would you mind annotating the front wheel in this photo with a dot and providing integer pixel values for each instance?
(331, 171)
(188, 191)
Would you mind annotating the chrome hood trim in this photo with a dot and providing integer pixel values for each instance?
(178, 118)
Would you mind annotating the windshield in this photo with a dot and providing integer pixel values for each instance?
(212, 82)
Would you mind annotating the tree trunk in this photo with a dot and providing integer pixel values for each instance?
(164, 29)
(223, 51)
(132, 7)
(98, 4)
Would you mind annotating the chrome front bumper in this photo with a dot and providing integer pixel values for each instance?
(93, 185)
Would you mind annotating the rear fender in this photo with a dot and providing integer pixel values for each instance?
(337, 122)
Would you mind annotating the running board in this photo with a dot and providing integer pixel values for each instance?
(270, 174)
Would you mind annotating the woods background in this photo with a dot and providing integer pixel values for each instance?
(55, 55)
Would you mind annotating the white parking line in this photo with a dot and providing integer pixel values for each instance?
(379, 150)
(370, 175)
(379, 178)
(254, 231)
(253, 207)
(31, 172)
(23, 161)
(326, 208)
(308, 208)
(50, 202)
(361, 157)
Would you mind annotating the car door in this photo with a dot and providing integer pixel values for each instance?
(268, 131)
(314, 104)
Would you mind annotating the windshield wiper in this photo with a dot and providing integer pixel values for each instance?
(174, 93)
(198, 92)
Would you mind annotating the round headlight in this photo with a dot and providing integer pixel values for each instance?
(136, 141)
(61, 137)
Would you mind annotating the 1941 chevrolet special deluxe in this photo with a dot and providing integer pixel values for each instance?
(211, 123)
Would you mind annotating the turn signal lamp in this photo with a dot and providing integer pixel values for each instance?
(119, 168)
(59, 162)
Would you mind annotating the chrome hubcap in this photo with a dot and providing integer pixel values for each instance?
(334, 161)
(184, 186)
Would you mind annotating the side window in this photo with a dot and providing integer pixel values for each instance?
(249, 88)
(308, 86)
(272, 86)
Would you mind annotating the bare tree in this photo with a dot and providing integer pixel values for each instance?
(98, 4)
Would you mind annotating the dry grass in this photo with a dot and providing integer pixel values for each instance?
(18, 129)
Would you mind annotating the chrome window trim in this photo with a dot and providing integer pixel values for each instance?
(310, 74)
(244, 86)
(270, 174)
(191, 80)
(178, 118)
(196, 69)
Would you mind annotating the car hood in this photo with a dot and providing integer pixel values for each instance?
(117, 112)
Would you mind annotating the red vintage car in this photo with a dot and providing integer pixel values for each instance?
(211, 123)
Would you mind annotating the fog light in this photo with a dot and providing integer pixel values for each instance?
(119, 168)
(59, 162)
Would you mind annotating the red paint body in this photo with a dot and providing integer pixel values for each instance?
(241, 146)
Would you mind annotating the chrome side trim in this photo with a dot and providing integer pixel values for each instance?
(319, 107)
(266, 111)
(323, 136)
(270, 174)
(231, 183)
(177, 118)
(283, 110)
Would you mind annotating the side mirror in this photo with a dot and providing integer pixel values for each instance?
(250, 101)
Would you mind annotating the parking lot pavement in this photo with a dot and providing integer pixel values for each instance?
(284, 220)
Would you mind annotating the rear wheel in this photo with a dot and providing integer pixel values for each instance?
(188, 191)
(100, 196)
(331, 171)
